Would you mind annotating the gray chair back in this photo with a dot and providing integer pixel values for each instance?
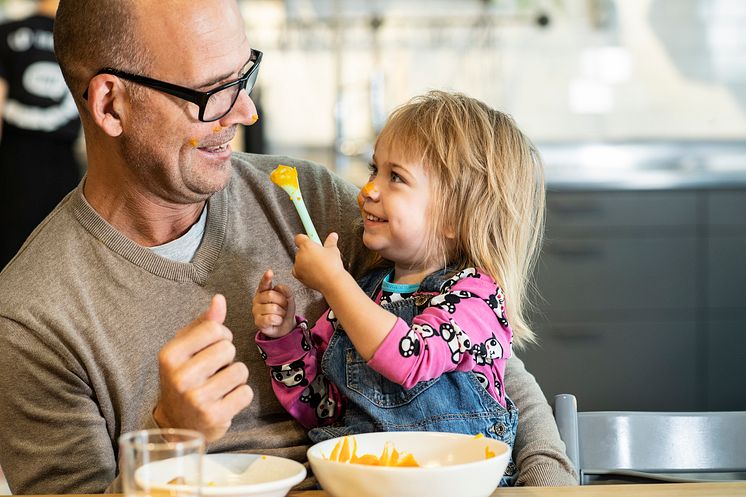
(666, 446)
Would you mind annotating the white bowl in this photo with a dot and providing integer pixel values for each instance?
(229, 475)
(451, 465)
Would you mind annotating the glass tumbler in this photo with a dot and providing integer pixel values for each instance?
(161, 463)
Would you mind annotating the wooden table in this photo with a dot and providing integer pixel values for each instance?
(724, 489)
(729, 489)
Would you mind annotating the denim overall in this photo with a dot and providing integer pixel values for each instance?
(453, 402)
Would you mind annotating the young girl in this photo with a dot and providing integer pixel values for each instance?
(454, 211)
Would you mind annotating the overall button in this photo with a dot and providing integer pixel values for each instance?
(499, 429)
(422, 299)
(511, 469)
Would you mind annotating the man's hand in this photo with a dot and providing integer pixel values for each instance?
(273, 308)
(201, 387)
(318, 266)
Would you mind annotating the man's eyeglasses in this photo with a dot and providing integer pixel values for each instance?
(213, 104)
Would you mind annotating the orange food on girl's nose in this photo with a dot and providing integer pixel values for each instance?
(368, 189)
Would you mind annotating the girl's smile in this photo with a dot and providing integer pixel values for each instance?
(371, 220)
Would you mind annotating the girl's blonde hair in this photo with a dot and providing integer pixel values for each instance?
(488, 190)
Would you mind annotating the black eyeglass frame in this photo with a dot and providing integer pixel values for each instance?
(198, 98)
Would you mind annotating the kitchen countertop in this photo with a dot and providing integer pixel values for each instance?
(644, 165)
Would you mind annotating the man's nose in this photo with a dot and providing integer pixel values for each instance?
(243, 111)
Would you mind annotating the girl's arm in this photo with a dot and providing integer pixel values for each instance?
(320, 268)
(463, 325)
(293, 362)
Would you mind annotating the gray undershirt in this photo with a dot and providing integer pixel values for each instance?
(183, 248)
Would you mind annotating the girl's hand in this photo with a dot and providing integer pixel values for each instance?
(315, 266)
(273, 308)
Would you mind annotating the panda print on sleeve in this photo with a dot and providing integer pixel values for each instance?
(317, 396)
(290, 375)
(297, 381)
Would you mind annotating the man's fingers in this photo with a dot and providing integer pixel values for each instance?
(221, 397)
(227, 389)
(237, 399)
(190, 341)
(224, 381)
(217, 310)
(210, 360)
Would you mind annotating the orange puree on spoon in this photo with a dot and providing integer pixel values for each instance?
(287, 178)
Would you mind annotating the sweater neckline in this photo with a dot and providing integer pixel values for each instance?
(196, 271)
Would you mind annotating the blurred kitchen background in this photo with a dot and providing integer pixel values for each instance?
(639, 109)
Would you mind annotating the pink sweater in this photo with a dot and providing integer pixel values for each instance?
(463, 328)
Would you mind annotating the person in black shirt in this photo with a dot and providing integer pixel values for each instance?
(40, 125)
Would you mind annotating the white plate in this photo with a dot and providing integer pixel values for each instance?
(227, 475)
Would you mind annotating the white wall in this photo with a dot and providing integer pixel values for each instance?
(641, 69)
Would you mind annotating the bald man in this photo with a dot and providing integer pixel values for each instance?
(130, 307)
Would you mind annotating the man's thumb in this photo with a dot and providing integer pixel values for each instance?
(217, 310)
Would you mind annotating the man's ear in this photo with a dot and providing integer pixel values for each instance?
(107, 102)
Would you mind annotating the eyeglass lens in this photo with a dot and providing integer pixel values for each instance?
(220, 103)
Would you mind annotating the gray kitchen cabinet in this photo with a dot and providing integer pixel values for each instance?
(725, 314)
(726, 272)
(634, 365)
(640, 291)
(726, 209)
(618, 274)
(726, 364)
